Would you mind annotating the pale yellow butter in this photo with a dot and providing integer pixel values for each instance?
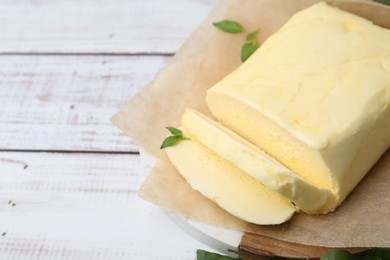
(315, 96)
(255, 162)
(233, 190)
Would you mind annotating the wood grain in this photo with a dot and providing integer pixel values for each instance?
(117, 26)
(254, 246)
(80, 206)
(56, 102)
(47, 201)
(59, 86)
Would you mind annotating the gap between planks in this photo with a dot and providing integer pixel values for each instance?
(115, 26)
(134, 54)
(67, 151)
(64, 102)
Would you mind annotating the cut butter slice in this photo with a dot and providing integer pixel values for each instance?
(255, 162)
(315, 96)
(233, 190)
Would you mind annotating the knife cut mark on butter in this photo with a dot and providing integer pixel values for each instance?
(256, 163)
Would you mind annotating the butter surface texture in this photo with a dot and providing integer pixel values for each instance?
(315, 96)
(233, 190)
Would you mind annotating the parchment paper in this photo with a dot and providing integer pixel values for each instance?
(206, 57)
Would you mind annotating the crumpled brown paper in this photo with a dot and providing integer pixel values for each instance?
(206, 57)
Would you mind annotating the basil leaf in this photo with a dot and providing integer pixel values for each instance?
(377, 253)
(252, 35)
(204, 255)
(174, 131)
(385, 2)
(177, 136)
(248, 49)
(172, 140)
(338, 254)
(229, 26)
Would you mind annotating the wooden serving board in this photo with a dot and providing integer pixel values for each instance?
(254, 246)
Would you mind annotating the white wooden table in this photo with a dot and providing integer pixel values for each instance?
(68, 177)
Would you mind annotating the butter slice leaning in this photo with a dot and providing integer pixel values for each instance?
(315, 96)
(247, 157)
(233, 190)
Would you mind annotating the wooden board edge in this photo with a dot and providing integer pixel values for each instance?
(255, 246)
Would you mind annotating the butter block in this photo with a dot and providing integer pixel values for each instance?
(253, 161)
(233, 190)
(315, 96)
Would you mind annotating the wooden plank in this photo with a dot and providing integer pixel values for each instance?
(65, 102)
(82, 206)
(90, 26)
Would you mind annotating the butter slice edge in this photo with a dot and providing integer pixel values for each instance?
(233, 190)
(252, 160)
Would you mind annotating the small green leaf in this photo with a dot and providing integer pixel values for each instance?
(252, 35)
(204, 255)
(229, 26)
(176, 136)
(174, 131)
(385, 2)
(377, 253)
(172, 140)
(248, 49)
(337, 254)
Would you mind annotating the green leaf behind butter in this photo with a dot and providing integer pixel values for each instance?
(204, 255)
(385, 2)
(377, 253)
(338, 254)
(229, 26)
(248, 49)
